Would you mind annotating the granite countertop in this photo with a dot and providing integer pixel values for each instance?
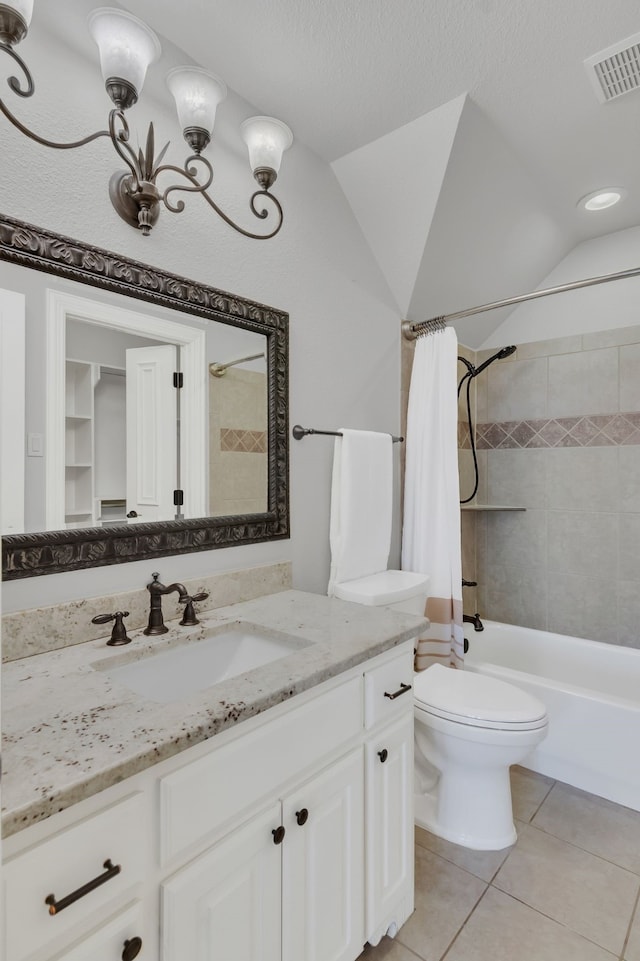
(70, 731)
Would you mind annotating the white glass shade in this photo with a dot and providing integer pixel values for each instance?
(197, 94)
(22, 7)
(127, 46)
(267, 139)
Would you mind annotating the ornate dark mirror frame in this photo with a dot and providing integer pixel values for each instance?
(49, 552)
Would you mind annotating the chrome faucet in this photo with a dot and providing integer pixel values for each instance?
(156, 623)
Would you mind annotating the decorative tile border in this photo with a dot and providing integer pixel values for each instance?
(595, 430)
(243, 441)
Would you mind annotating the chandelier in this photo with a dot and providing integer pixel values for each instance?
(127, 48)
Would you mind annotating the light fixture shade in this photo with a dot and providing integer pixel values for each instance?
(197, 94)
(127, 46)
(23, 8)
(267, 139)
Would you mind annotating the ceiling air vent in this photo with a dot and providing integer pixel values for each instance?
(616, 70)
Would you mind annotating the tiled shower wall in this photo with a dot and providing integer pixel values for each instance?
(558, 433)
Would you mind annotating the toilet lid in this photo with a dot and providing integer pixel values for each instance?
(385, 587)
(476, 700)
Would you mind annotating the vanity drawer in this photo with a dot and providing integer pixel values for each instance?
(108, 942)
(64, 864)
(205, 794)
(388, 689)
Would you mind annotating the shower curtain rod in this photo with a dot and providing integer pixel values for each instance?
(300, 432)
(218, 370)
(411, 331)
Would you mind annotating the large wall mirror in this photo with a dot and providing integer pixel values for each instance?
(155, 412)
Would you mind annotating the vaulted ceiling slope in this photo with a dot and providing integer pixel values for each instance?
(532, 137)
(463, 224)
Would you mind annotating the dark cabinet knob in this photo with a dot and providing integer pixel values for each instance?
(302, 816)
(132, 948)
(383, 755)
(278, 835)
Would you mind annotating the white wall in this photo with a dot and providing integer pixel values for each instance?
(344, 330)
(603, 307)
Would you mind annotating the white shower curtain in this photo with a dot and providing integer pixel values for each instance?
(431, 526)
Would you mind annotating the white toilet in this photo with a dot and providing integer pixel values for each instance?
(469, 729)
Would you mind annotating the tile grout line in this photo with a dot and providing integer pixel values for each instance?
(578, 847)
(549, 917)
(463, 925)
(630, 926)
(551, 787)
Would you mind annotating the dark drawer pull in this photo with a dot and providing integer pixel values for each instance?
(131, 949)
(302, 816)
(278, 835)
(383, 755)
(403, 690)
(55, 907)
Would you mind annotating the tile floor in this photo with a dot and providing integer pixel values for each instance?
(567, 890)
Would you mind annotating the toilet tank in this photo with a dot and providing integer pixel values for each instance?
(404, 591)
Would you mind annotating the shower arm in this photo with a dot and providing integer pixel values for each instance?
(411, 331)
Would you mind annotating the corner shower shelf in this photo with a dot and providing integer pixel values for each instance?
(489, 507)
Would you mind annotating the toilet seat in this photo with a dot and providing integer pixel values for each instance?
(475, 700)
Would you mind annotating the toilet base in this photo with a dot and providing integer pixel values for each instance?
(425, 816)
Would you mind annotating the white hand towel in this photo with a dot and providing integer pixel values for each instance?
(361, 505)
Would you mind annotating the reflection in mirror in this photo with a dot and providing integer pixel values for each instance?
(106, 438)
(115, 466)
(238, 436)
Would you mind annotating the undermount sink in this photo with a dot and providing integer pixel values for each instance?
(178, 673)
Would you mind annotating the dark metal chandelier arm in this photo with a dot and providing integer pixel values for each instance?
(120, 141)
(262, 214)
(189, 173)
(14, 84)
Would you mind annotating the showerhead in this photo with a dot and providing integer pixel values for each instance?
(500, 355)
(506, 352)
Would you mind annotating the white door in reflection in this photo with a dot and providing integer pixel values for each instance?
(152, 449)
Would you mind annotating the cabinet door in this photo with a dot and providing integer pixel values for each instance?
(323, 865)
(225, 905)
(389, 833)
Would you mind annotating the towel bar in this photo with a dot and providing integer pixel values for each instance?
(300, 432)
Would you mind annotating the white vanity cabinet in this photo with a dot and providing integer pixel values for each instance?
(68, 883)
(389, 795)
(284, 838)
(118, 938)
(227, 903)
(288, 884)
(323, 865)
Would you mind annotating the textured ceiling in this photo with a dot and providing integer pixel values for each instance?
(344, 73)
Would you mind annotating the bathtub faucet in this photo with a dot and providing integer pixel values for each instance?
(473, 619)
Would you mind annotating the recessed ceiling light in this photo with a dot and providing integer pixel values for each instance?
(601, 199)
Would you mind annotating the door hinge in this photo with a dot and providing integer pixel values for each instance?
(178, 498)
(178, 379)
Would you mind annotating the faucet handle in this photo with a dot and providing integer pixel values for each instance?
(189, 618)
(118, 633)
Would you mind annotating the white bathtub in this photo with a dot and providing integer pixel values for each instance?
(592, 694)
